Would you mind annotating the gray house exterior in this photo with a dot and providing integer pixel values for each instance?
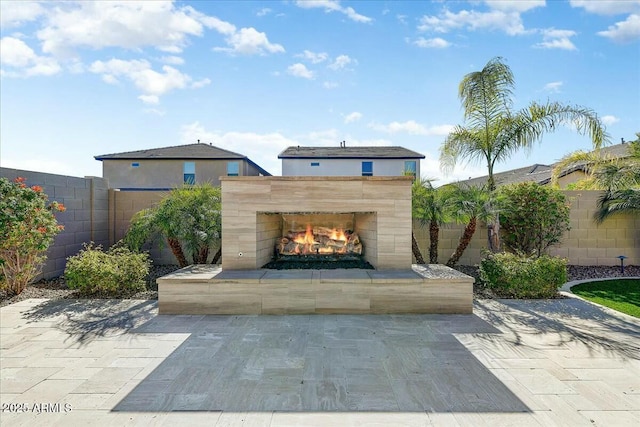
(349, 161)
(170, 167)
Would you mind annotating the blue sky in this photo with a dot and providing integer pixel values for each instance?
(81, 79)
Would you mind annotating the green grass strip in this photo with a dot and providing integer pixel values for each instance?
(622, 295)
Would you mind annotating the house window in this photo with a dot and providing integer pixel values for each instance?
(367, 168)
(233, 168)
(135, 165)
(410, 168)
(315, 163)
(189, 172)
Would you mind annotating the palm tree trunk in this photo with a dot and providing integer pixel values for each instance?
(493, 235)
(200, 257)
(465, 239)
(217, 256)
(416, 250)
(176, 248)
(434, 230)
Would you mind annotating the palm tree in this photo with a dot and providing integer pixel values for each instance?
(189, 218)
(471, 204)
(431, 206)
(604, 172)
(493, 131)
(618, 177)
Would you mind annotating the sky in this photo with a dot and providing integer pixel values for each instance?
(80, 79)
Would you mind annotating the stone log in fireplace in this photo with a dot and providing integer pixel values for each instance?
(267, 217)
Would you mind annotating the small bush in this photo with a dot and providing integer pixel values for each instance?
(117, 271)
(532, 217)
(513, 276)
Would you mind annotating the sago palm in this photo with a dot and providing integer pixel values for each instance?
(431, 207)
(470, 204)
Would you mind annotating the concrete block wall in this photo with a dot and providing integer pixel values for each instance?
(585, 244)
(86, 217)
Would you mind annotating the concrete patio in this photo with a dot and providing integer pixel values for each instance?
(539, 363)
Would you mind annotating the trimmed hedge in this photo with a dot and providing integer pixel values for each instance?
(116, 272)
(513, 276)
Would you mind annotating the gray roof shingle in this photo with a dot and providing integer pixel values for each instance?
(180, 152)
(542, 173)
(355, 152)
(189, 151)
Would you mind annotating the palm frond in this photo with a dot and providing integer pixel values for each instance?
(617, 202)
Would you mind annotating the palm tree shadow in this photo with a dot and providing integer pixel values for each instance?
(85, 320)
(561, 322)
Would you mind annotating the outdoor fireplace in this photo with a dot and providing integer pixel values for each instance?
(317, 238)
(266, 219)
(322, 240)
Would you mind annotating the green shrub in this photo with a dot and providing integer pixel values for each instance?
(27, 228)
(513, 276)
(117, 271)
(532, 217)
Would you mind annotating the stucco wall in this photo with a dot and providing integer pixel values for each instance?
(166, 173)
(123, 205)
(585, 244)
(344, 167)
(85, 219)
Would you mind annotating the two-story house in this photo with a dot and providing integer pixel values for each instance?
(349, 161)
(168, 167)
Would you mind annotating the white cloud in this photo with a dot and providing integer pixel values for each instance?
(151, 83)
(264, 11)
(330, 85)
(515, 6)
(300, 70)
(149, 99)
(352, 117)
(173, 60)
(261, 148)
(313, 57)
(625, 31)
(15, 13)
(435, 43)
(609, 7)
(553, 87)
(16, 54)
(412, 127)
(200, 83)
(333, 6)
(609, 120)
(341, 62)
(557, 39)
(214, 23)
(249, 41)
(430, 168)
(126, 24)
(509, 22)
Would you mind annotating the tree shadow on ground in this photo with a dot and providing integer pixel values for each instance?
(85, 319)
(562, 322)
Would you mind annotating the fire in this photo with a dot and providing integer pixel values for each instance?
(338, 235)
(320, 240)
(306, 238)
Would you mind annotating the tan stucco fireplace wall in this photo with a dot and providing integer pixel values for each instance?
(250, 223)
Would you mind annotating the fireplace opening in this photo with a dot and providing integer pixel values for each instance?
(320, 241)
